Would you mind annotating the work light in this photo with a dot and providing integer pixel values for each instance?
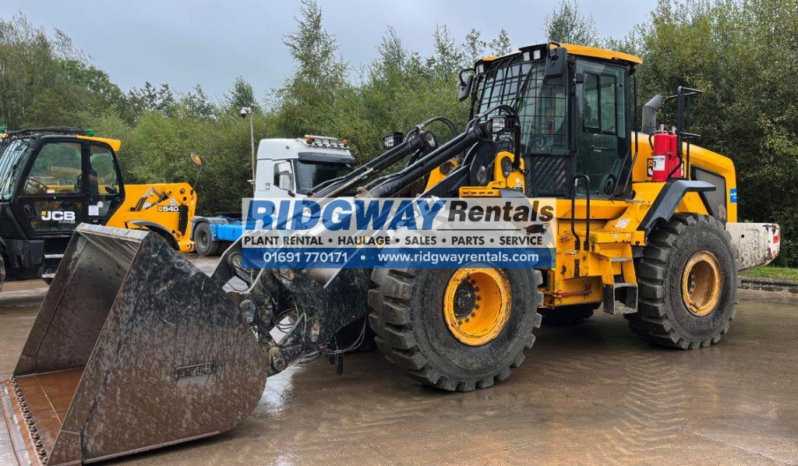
(503, 124)
(389, 141)
(535, 54)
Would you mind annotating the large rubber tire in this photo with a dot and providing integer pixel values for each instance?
(203, 240)
(568, 315)
(663, 315)
(411, 331)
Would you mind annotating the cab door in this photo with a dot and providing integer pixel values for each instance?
(604, 135)
(51, 199)
(105, 190)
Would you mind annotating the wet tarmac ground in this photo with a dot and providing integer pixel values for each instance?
(591, 394)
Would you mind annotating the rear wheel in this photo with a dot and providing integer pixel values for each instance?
(455, 329)
(688, 284)
(568, 315)
(203, 239)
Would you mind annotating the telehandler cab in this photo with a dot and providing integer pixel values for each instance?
(134, 348)
(54, 179)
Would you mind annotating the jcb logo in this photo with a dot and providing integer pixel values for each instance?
(61, 216)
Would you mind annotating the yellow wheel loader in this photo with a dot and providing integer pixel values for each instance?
(54, 179)
(134, 348)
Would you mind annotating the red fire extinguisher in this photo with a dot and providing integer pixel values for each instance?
(665, 157)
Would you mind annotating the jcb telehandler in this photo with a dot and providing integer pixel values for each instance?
(134, 348)
(54, 179)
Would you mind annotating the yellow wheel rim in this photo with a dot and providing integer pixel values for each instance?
(477, 305)
(702, 284)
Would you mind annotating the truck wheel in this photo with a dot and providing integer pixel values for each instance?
(203, 239)
(455, 329)
(568, 315)
(688, 284)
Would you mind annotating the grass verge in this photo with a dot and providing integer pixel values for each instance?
(784, 273)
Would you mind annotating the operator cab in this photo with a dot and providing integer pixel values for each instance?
(293, 167)
(52, 180)
(574, 105)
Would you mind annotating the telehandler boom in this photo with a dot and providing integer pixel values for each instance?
(134, 348)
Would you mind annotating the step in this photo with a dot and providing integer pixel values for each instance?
(629, 297)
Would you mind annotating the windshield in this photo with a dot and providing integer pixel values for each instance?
(541, 108)
(310, 174)
(12, 158)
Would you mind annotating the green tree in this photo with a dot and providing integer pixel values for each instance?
(319, 73)
(567, 24)
(474, 46)
(501, 45)
(743, 55)
(196, 103)
(44, 81)
(242, 95)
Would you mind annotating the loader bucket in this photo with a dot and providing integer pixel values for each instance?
(133, 348)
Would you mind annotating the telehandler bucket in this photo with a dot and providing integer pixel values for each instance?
(134, 348)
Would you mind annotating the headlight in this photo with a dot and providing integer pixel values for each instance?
(503, 124)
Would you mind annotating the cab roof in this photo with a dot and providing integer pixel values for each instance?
(63, 132)
(582, 51)
(594, 52)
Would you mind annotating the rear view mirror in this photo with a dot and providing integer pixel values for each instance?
(286, 182)
(465, 84)
(556, 63)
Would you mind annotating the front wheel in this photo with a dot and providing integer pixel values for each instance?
(455, 329)
(688, 284)
(203, 239)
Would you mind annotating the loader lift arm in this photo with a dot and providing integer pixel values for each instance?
(417, 141)
(316, 303)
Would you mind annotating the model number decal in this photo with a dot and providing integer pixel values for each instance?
(168, 208)
(197, 370)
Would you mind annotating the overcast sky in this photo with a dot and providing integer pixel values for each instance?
(187, 42)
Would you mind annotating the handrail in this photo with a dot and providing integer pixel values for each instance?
(574, 185)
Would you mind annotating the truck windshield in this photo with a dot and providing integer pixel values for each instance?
(310, 174)
(541, 107)
(12, 158)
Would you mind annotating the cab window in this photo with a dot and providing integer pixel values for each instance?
(56, 170)
(603, 140)
(103, 180)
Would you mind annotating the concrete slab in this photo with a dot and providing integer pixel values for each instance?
(592, 394)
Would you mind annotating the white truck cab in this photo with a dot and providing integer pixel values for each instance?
(285, 168)
(291, 167)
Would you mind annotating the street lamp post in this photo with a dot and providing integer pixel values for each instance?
(248, 110)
